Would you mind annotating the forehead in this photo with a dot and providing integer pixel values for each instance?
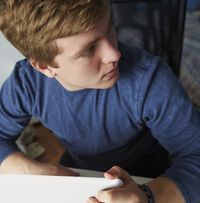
(72, 44)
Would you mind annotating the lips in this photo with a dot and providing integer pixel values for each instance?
(110, 74)
(114, 69)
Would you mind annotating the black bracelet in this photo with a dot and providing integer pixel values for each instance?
(148, 192)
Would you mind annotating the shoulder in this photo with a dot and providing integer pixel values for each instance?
(24, 72)
(137, 64)
(24, 82)
(141, 66)
(136, 67)
(143, 77)
(135, 56)
(26, 77)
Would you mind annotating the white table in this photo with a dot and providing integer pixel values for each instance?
(90, 173)
(51, 189)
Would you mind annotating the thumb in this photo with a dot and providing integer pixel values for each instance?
(118, 172)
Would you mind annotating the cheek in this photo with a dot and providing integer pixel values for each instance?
(90, 66)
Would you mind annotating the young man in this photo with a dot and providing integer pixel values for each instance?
(109, 104)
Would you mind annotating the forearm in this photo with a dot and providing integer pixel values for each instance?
(165, 191)
(19, 163)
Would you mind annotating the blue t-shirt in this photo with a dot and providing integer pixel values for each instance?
(95, 121)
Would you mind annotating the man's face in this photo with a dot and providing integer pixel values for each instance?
(89, 59)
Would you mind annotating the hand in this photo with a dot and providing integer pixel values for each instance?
(128, 193)
(55, 170)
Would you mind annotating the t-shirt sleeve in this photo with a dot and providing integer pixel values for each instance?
(14, 115)
(175, 123)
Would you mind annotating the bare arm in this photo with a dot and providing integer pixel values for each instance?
(18, 163)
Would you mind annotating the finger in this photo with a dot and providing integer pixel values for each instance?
(119, 195)
(118, 172)
(105, 196)
(92, 200)
(112, 195)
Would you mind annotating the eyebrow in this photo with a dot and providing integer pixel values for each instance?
(88, 45)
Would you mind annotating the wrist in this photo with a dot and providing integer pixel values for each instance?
(149, 194)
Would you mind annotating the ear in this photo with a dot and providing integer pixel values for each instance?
(43, 68)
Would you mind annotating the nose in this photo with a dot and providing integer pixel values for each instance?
(110, 53)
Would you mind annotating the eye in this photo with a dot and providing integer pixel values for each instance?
(89, 52)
